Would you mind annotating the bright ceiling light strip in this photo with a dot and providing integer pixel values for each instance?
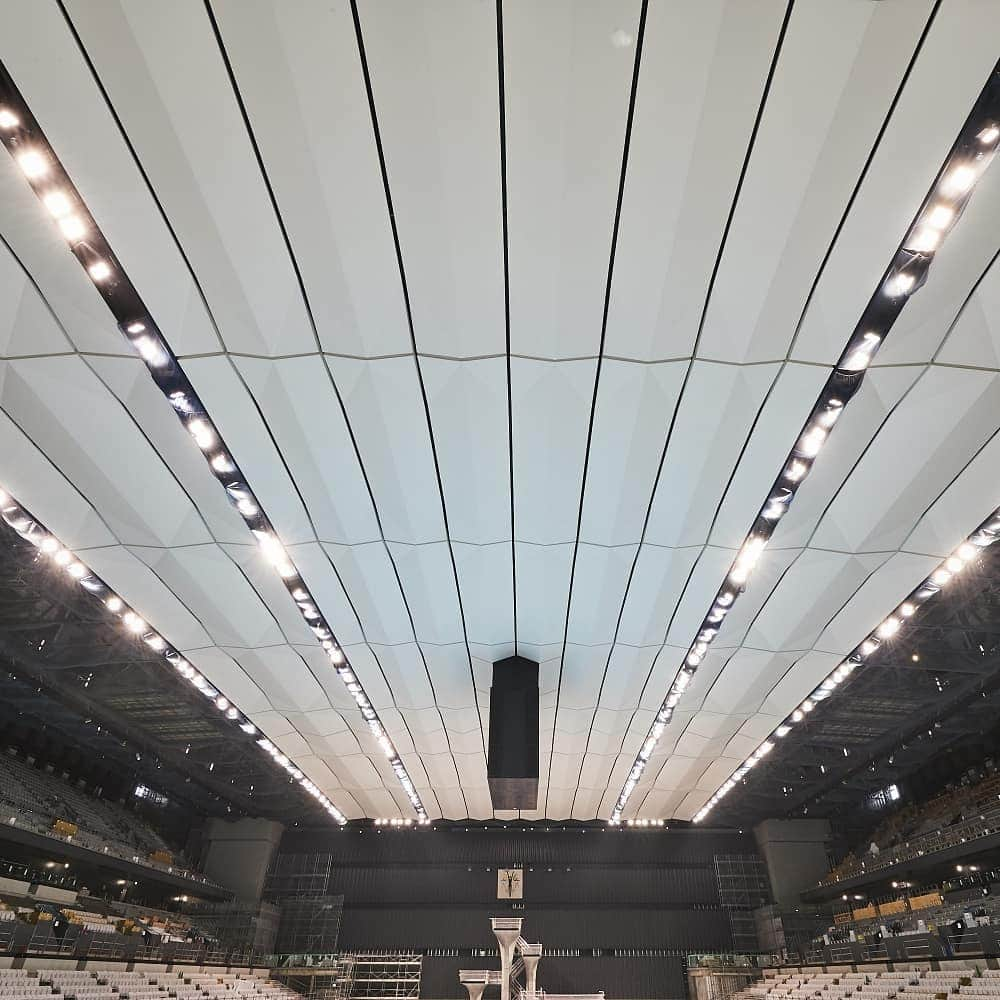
(987, 534)
(971, 154)
(21, 520)
(27, 144)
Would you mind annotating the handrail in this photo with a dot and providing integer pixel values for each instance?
(986, 824)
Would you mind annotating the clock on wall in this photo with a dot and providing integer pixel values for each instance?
(510, 883)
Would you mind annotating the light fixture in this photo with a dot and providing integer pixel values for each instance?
(33, 531)
(986, 534)
(958, 180)
(900, 284)
(795, 471)
(72, 228)
(812, 441)
(906, 273)
(58, 204)
(888, 628)
(100, 270)
(940, 216)
(33, 164)
(202, 433)
(151, 351)
(924, 240)
(8, 120)
(860, 355)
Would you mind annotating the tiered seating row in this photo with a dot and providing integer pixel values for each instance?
(901, 985)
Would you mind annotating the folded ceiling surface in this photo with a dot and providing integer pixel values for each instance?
(537, 407)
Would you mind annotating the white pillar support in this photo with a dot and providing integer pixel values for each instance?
(530, 954)
(475, 981)
(530, 968)
(507, 931)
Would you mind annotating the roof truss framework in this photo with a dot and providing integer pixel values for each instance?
(414, 396)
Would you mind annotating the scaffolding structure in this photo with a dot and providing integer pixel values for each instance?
(309, 926)
(376, 976)
(743, 887)
(357, 976)
(298, 876)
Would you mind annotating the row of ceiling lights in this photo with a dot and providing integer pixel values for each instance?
(17, 517)
(971, 154)
(985, 535)
(25, 141)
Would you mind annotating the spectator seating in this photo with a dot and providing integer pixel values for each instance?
(24, 984)
(36, 800)
(913, 984)
(957, 815)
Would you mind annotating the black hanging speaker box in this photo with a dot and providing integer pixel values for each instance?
(512, 767)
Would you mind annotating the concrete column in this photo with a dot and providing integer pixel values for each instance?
(530, 968)
(507, 931)
(238, 854)
(795, 853)
(476, 990)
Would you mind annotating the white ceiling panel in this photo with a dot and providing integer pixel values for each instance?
(27, 325)
(834, 83)
(715, 416)
(682, 173)
(384, 408)
(954, 61)
(468, 405)
(635, 405)
(448, 503)
(974, 339)
(568, 73)
(191, 140)
(299, 72)
(434, 79)
(299, 399)
(81, 428)
(952, 416)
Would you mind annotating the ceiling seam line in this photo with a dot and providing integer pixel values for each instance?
(501, 103)
(765, 93)
(149, 187)
(215, 541)
(307, 305)
(215, 645)
(251, 395)
(864, 171)
(383, 170)
(286, 237)
(962, 696)
(135, 292)
(882, 424)
(872, 152)
(109, 105)
(616, 227)
(993, 436)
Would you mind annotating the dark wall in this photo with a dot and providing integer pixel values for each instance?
(620, 977)
(584, 887)
(588, 884)
(419, 928)
(499, 845)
